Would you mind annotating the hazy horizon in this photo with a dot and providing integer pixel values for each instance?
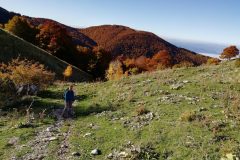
(208, 21)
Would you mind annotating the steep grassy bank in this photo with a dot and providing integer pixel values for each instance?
(13, 47)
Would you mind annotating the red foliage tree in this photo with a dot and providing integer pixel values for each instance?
(163, 57)
(229, 52)
(55, 39)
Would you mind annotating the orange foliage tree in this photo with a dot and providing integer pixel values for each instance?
(67, 72)
(115, 70)
(163, 58)
(229, 52)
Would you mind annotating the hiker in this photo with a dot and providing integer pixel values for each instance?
(69, 99)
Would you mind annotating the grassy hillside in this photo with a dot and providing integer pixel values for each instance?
(12, 47)
(193, 114)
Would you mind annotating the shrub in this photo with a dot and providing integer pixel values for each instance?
(7, 91)
(190, 116)
(115, 71)
(23, 72)
(213, 61)
(133, 71)
(67, 72)
(141, 110)
(184, 64)
(237, 62)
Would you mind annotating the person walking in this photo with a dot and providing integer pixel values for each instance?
(69, 98)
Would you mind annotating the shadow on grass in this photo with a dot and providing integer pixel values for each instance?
(38, 105)
(93, 109)
(51, 94)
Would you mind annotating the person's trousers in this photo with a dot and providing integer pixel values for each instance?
(69, 110)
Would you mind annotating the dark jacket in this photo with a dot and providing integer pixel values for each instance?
(69, 96)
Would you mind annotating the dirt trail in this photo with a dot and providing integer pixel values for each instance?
(39, 145)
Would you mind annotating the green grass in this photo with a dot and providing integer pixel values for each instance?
(13, 47)
(215, 90)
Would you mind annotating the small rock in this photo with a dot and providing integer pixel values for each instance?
(50, 139)
(202, 109)
(185, 81)
(49, 129)
(87, 134)
(64, 146)
(95, 152)
(13, 141)
(110, 156)
(123, 154)
(176, 86)
(76, 154)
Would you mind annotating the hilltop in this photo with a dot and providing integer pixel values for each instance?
(11, 47)
(122, 41)
(185, 113)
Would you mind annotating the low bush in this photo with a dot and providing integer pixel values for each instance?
(213, 61)
(19, 73)
(141, 110)
(190, 116)
(184, 64)
(25, 72)
(115, 71)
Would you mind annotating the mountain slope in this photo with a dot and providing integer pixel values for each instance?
(12, 47)
(120, 40)
(192, 112)
(132, 43)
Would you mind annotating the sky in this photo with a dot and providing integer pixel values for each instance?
(215, 21)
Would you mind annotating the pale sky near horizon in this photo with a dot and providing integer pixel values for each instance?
(214, 21)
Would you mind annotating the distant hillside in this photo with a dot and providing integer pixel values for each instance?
(198, 46)
(12, 47)
(132, 43)
(124, 41)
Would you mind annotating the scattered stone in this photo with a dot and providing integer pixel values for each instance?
(186, 81)
(123, 154)
(50, 139)
(87, 134)
(95, 152)
(27, 89)
(53, 138)
(137, 122)
(202, 109)
(176, 86)
(130, 151)
(76, 154)
(13, 141)
(64, 146)
(93, 126)
(110, 156)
